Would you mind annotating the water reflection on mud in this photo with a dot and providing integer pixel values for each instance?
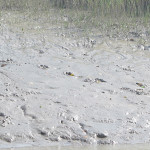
(116, 147)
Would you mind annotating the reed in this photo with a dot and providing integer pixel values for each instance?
(25, 5)
(107, 7)
(102, 7)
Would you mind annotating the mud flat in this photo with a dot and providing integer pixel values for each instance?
(60, 89)
(102, 147)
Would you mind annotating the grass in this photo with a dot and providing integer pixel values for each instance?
(108, 7)
(19, 5)
(105, 15)
(115, 8)
(108, 16)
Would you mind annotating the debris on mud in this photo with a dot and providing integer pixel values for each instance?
(140, 85)
(3, 65)
(43, 66)
(97, 80)
(69, 74)
(136, 91)
(87, 80)
(6, 61)
(101, 135)
(132, 40)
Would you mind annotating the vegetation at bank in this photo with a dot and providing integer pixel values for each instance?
(104, 7)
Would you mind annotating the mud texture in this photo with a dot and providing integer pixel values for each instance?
(58, 89)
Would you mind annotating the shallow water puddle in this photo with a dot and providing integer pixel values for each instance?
(116, 147)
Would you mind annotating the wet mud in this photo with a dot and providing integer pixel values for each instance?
(58, 89)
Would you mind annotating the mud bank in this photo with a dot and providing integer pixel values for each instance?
(102, 147)
(57, 89)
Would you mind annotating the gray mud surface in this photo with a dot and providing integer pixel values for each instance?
(60, 88)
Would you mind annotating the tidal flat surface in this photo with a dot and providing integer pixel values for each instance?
(62, 85)
(117, 147)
